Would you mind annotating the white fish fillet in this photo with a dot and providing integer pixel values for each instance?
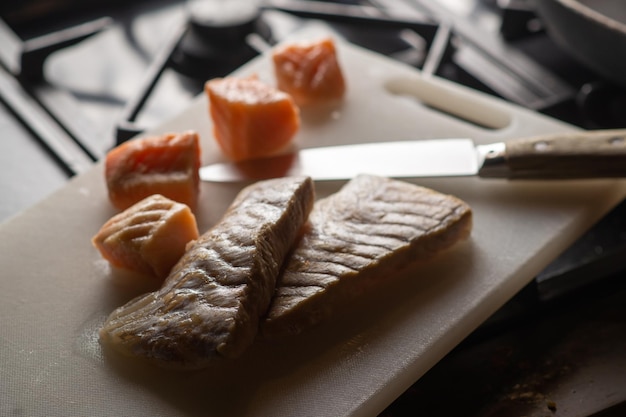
(211, 303)
(358, 236)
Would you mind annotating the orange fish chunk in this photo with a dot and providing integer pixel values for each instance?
(148, 237)
(168, 164)
(309, 71)
(250, 118)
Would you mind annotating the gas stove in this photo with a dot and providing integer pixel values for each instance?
(77, 79)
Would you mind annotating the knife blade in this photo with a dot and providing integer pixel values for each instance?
(570, 155)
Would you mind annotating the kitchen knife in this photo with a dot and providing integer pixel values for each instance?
(586, 154)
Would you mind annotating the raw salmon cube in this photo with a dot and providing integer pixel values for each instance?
(250, 118)
(309, 71)
(168, 164)
(148, 237)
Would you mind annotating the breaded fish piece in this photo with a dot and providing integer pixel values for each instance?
(211, 303)
(363, 233)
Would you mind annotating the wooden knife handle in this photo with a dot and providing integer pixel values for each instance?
(587, 154)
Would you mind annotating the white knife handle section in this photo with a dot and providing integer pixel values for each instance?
(593, 154)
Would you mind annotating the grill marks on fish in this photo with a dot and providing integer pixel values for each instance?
(369, 229)
(211, 303)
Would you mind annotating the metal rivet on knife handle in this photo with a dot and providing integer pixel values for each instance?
(572, 155)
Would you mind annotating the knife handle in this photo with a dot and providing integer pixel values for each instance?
(587, 154)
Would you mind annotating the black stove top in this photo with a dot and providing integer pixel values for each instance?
(157, 52)
(79, 77)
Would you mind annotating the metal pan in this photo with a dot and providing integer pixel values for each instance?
(592, 31)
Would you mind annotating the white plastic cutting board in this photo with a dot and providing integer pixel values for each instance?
(56, 290)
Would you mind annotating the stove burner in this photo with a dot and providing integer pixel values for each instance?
(216, 40)
(602, 105)
(229, 21)
(213, 42)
